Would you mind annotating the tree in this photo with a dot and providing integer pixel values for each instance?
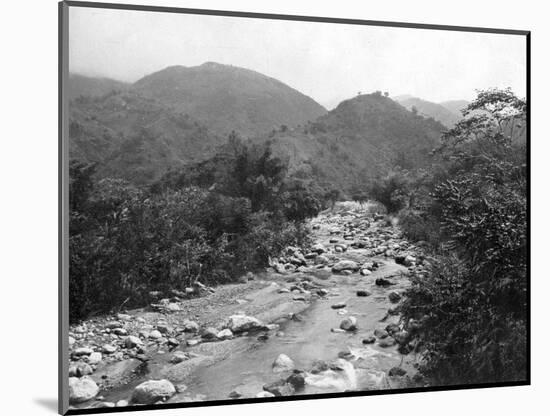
(470, 312)
(332, 196)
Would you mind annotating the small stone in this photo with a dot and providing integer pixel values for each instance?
(397, 372)
(383, 282)
(120, 331)
(209, 334)
(95, 358)
(365, 272)
(82, 351)
(190, 326)
(224, 334)
(279, 388)
(71, 341)
(192, 342)
(264, 394)
(173, 307)
(178, 357)
(155, 334)
(386, 343)
(80, 370)
(234, 394)
(164, 329)
(349, 324)
(394, 297)
(319, 366)
(122, 403)
(132, 342)
(380, 333)
(363, 293)
(369, 340)
(401, 337)
(337, 330)
(338, 305)
(297, 380)
(108, 349)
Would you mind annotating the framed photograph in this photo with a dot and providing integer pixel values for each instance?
(261, 207)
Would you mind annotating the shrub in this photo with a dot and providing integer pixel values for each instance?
(470, 311)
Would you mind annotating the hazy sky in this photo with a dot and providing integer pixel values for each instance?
(328, 62)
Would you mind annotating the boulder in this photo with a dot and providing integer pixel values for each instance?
(282, 363)
(243, 323)
(343, 265)
(152, 391)
(82, 389)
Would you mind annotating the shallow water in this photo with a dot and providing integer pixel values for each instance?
(246, 365)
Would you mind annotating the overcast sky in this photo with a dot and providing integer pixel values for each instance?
(328, 62)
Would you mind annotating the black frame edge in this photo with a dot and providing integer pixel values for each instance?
(273, 16)
(63, 220)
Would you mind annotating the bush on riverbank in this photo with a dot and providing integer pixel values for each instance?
(126, 241)
(470, 311)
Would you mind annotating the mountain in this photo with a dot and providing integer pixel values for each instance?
(227, 98)
(360, 139)
(135, 138)
(429, 109)
(455, 105)
(80, 85)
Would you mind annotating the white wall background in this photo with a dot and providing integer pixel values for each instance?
(28, 205)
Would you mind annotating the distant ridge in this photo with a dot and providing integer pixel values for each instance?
(227, 98)
(81, 85)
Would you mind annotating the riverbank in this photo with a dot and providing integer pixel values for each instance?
(317, 321)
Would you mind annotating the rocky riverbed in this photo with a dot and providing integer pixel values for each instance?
(320, 320)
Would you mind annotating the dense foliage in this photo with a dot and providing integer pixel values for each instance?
(209, 223)
(469, 312)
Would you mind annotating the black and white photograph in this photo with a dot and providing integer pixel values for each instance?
(267, 208)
